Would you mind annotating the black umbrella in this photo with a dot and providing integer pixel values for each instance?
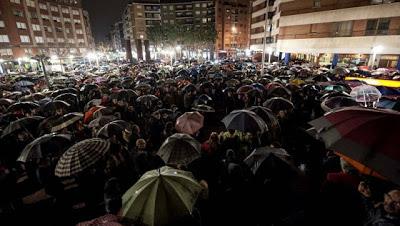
(267, 115)
(338, 102)
(279, 92)
(51, 107)
(49, 145)
(113, 128)
(66, 120)
(256, 158)
(179, 149)
(203, 108)
(28, 123)
(245, 121)
(62, 91)
(25, 106)
(189, 88)
(147, 99)
(277, 104)
(70, 98)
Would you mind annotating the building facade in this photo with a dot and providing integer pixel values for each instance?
(264, 23)
(232, 26)
(360, 32)
(117, 37)
(140, 15)
(50, 27)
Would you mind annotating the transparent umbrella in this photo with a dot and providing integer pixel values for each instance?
(366, 94)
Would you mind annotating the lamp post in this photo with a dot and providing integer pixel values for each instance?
(1, 66)
(264, 39)
(375, 50)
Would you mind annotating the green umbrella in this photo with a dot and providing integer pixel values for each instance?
(161, 197)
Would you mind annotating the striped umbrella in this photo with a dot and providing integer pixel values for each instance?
(66, 120)
(189, 122)
(367, 136)
(179, 149)
(81, 156)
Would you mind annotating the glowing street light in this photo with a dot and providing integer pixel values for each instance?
(270, 50)
(234, 30)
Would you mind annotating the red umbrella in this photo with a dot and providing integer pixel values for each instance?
(189, 123)
(367, 136)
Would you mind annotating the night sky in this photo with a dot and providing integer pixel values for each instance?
(103, 14)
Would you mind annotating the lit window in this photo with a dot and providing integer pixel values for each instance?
(51, 40)
(6, 52)
(2, 24)
(30, 3)
(54, 8)
(4, 38)
(39, 39)
(42, 6)
(25, 38)
(36, 27)
(16, 1)
(21, 25)
(75, 12)
(204, 20)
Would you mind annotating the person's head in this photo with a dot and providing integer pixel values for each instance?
(135, 129)
(391, 202)
(141, 144)
(213, 137)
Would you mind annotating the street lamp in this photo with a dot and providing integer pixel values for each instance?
(178, 48)
(1, 66)
(376, 50)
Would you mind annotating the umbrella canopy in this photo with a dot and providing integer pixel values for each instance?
(26, 106)
(277, 104)
(161, 197)
(189, 122)
(255, 159)
(49, 144)
(146, 99)
(52, 106)
(203, 108)
(232, 82)
(81, 156)
(113, 128)
(267, 115)
(28, 123)
(179, 149)
(364, 135)
(245, 121)
(245, 89)
(337, 102)
(66, 120)
(70, 98)
(365, 93)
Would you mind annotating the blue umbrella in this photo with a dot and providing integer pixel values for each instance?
(386, 103)
(387, 91)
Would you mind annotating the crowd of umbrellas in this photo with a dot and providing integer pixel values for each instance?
(177, 141)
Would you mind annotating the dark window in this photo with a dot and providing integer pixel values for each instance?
(371, 27)
(383, 26)
(317, 3)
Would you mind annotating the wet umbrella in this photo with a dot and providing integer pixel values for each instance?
(334, 94)
(24, 83)
(386, 103)
(257, 157)
(364, 135)
(365, 94)
(204, 99)
(338, 102)
(161, 197)
(143, 87)
(267, 115)
(388, 91)
(66, 120)
(245, 89)
(277, 104)
(279, 92)
(321, 78)
(247, 81)
(70, 98)
(179, 149)
(189, 88)
(30, 124)
(127, 94)
(81, 156)
(258, 86)
(189, 123)
(92, 103)
(113, 128)
(25, 106)
(341, 71)
(338, 88)
(232, 82)
(245, 121)
(45, 146)
(52, 106)
(147, 99)
(33, 97)
(62, 91)
(203, 108)
(5, 102)
(101, 121)
(354, 83)
(88, 87)
(206, 85)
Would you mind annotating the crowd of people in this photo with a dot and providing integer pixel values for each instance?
(72, 145)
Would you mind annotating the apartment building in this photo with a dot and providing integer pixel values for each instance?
(50, 27)
(232, 26)
(140, 15)
(359, 32)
